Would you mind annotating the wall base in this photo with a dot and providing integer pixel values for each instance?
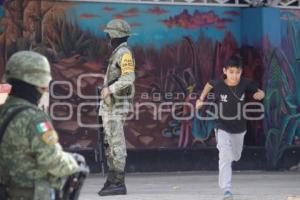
(160, 160)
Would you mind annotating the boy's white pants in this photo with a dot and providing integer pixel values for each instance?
(230, 148)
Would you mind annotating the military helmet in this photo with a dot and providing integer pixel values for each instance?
(117, 28)
(30, 67)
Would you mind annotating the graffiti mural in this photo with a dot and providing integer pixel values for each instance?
(177, 50)
(282, 121)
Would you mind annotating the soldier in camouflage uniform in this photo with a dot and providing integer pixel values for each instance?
(115, 104)
(32, 162)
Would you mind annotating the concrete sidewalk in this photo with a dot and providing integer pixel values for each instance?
(200, 186)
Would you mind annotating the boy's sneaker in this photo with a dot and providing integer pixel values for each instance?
(228, 195)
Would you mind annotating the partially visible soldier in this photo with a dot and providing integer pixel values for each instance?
(33, 165)
(116, 102)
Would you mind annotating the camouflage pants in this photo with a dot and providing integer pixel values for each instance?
(114, 136)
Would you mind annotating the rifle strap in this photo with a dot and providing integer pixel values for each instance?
(9, 119)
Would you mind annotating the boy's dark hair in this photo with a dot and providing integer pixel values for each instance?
(234, 61)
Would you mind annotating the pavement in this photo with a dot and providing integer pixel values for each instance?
(247, 185)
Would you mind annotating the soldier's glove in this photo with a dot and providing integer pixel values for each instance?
(79, 158)
(77, 178)
(74, 183)
(82, 163)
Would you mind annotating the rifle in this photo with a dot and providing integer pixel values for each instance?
(3, 192)
(100, 150)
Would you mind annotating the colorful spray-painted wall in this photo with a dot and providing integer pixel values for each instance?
(177, 50)
(282, 116)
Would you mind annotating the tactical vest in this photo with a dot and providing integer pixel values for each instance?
(113, 72)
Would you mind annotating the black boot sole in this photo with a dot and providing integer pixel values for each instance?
(112, 192)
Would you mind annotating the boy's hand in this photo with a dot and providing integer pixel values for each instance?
(259, 95)
(199, 104)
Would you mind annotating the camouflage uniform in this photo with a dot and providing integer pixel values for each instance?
(32, 161)
(114, 108)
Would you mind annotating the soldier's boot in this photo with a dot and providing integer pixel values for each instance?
(117, 187)
(109, 180)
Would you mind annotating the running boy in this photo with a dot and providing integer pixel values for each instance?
(230, 126)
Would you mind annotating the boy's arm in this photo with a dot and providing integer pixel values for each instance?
(207, 88)
(259, 95)
(252, 86)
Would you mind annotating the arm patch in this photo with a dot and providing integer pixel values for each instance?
(48, 134)
(50, 137)
(126, 64)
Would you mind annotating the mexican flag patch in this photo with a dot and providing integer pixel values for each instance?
(43, 127)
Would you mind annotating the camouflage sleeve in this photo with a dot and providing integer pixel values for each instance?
(127, 67)
(49, 154)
